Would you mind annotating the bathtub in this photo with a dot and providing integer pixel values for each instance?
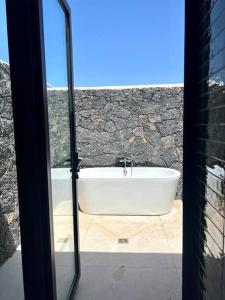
(106, 191)
(61, 191)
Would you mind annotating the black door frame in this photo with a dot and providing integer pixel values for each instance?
(29, 98)
(74, 153)
(191, 226)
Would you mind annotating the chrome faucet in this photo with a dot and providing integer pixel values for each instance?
(131, 165)
(79, 162)
(126, 160)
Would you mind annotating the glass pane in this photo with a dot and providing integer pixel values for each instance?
(11, 277)
(60, 152)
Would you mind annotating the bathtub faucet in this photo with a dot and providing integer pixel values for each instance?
(79, 162)
(126, 160)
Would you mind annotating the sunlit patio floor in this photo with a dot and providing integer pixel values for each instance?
(122, 257)
(131, 257)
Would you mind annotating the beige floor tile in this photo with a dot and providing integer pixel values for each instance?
(85, 218)
(63, 233)
(175, 216)
(64, 208)
(173, 230)
(140, 246)
(148, 231)
(130, 230)
(151, 234)
(175, 242)
(178, 204)
(63, 219)
(104, 237)
(83, 229)
(143, 219)
(172, 218)
(175, 246)
(100, 219)
(141, 238)
(64, 243)
(107, 246)
(127, 219)
(85, 221)
(99, 238)
(145, 245)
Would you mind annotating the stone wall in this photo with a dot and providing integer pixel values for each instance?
(9, 216)
(59, 127)
(145, 122)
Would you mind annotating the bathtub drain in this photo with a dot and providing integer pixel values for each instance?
(123, 241)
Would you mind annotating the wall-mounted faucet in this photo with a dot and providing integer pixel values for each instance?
(79, 159)
(79, 162)
(131, 165)
(126, 160)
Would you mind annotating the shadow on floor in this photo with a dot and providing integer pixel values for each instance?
(106, 276)
(130, 276)
(11, 278)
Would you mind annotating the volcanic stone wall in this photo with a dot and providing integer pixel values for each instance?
(146, 123)
(9, 215)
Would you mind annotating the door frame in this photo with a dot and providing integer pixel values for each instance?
(191, 225)
(30, 113)
(74, 153)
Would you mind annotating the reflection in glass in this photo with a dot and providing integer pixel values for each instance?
(60, 152)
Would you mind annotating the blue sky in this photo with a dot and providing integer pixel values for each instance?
(117, 42)
(3, 33)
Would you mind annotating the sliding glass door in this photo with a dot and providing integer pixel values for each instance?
(40, 54)
(61, 138)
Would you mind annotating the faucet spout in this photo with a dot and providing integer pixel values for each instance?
(126, 160)
(79, 162)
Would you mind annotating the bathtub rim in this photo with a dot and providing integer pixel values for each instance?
(175, 176)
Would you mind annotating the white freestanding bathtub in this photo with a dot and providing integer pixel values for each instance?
(106, 191)
(61, 191)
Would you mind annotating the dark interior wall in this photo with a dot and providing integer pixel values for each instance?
(210, 149)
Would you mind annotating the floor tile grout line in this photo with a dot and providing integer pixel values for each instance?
(86, 231)
(161, 223)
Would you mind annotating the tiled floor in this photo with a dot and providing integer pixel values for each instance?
(148, 267)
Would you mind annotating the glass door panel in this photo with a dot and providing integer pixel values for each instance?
(58, 101)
